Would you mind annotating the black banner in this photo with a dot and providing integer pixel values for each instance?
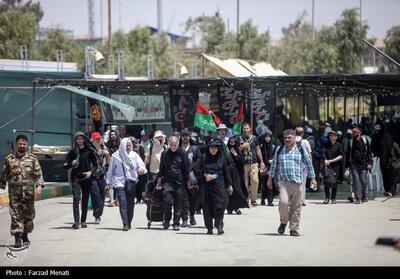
(183, 101)
(263, 103)
(229, 103)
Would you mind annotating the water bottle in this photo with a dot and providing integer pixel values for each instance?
(214, 176)
(313, 186)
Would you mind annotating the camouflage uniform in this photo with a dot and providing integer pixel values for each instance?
(23, 175)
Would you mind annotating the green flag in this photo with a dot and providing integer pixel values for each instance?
(203, 118)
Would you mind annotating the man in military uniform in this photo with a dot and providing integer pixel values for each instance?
(23, 173)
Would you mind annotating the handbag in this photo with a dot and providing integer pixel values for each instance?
(192, 178)
(129, 184)
(330, 176)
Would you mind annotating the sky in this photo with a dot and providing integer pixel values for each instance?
(380, 15)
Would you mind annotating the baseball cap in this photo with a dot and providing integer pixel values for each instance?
(222, 126)
(95, 136)
(158, 134)
(355, 130)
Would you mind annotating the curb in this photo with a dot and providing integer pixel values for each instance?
(49, 191)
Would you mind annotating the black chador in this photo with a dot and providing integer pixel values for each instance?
(214, 192)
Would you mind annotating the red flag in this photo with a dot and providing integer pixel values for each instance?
(217, 120)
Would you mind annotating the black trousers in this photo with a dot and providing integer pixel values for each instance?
(190, 202)
(80, 187)
(387, 180)
(172, 196)
(210, 212)
(328, 194)
(267, 193)
(126, 202)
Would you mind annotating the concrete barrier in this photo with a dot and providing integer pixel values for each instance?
(50, 190)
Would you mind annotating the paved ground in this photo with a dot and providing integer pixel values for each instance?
(343, 234)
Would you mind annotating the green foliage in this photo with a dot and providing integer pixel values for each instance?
(252, 46)
(212, 28)
(392, 42)
(349, 42)
(56, 40)
(17, 27)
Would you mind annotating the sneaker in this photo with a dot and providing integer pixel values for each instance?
(166, 225)
(238, 212)
(97, 221)
(176, 227)
(326, 201)
(387, 194)
(281, 229)
(262, 202)
(365, 199)
(75, 226)
(111, 204)
(303, 204)
(192, 221)
(254, 203)
(220, 231)
(230, 212)
(294, 233)
(83, 225)
(210, 231)
(125, 228)
(184, 224)
(270, 204)
(357, 201)
(333, 201)
(351, 199)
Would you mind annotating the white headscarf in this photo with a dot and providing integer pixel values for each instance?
(122, 155)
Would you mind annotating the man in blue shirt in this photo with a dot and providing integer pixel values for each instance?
(288, 162)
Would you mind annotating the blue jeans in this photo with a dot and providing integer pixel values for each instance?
(126, 203)
(97, 190)
(360, 187)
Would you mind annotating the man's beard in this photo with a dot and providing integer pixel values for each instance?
(21, 150)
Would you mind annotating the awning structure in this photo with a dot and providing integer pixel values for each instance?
(241, 68)
(127, 110)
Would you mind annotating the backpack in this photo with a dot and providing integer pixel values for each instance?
(364, 141)
(165, 147)
(299, 146)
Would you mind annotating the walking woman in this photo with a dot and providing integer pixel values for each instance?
(235, 163)
(98, 183)
(83, 162)
(332, 156)
(215, 182)
(125, 167)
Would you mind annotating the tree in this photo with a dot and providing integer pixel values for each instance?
(349, 42)
(18, 26)
(212, 29)
(252, 46)
(56, 40)
(392, 42)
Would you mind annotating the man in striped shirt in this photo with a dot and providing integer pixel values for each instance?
(288, 164)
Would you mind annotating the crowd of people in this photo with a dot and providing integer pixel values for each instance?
(224, 172)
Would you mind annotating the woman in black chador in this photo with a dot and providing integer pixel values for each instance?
(234, 157)
(215, 182)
